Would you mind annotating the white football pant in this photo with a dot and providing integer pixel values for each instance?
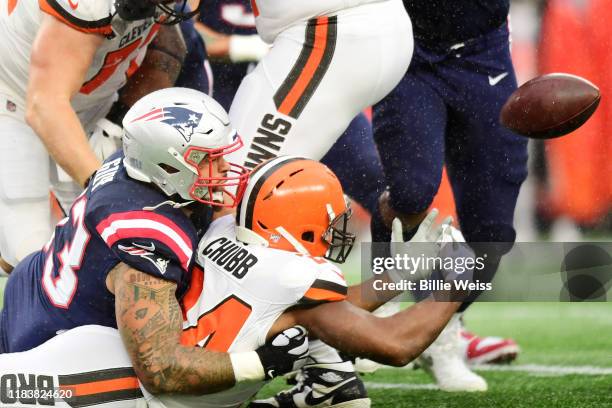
(317, 77)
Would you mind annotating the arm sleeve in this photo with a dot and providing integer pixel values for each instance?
(148, 241)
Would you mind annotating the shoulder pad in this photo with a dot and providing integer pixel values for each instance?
(84, 15)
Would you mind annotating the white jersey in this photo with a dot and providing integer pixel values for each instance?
(241, 293)
(274, 16)
(119, 55)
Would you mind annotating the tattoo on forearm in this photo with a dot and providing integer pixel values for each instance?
(150, 325)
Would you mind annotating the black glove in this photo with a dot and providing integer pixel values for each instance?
(286, 352)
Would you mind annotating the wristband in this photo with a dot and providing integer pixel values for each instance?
(247, 48)
(247, 366)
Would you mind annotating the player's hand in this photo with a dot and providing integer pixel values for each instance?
(285, 352)
(105, 139)
(424, 244)
(428, 230)
(453, 246)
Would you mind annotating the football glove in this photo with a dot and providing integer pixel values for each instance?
(286, 352)
(426, 243)
(105, 138)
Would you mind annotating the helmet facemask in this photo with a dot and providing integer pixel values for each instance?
(336, 235)
(216, 190)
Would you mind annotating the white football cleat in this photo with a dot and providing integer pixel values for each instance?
(488, 350)
(444, 361)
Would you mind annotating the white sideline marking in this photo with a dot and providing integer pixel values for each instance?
(539, 369)
(535, 369)
(388, 386)
(546, 369)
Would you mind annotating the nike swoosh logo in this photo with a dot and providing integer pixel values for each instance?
(326, 391)
(495, 80)
(73, 5)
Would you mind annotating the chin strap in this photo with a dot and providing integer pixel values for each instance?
(296, 244)
(247, 236)
(171, 203)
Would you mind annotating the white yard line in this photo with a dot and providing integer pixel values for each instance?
(391, 386)
(535, 369)
(546, 369)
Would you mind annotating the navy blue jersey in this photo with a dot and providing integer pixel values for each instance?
(440, 24)
(228, 16)
(117, 219)
(193, 72)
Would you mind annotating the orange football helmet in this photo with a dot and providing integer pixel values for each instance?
(296, 204)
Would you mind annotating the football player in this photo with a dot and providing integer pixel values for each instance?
(61, 63)
(234, 48)
(446, 108)
(268, 269)
(329, 60)
(136, 213)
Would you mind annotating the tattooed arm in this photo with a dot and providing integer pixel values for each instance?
(150, 322)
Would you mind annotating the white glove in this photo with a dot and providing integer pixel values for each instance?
(426, 244)
(106, 138)
(247, 48)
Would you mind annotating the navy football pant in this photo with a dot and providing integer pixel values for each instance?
(446, 111)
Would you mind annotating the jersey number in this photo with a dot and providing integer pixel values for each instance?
(218, 327)
(61, 288)
(113, 59)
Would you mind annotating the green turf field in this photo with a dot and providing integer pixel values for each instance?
(566, 361)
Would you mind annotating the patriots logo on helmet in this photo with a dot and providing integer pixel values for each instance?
(182, 119)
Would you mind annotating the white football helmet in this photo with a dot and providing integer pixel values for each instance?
(168, 133)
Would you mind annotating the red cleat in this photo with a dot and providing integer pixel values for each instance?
(488, 350)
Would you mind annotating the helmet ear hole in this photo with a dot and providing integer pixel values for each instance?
(168, 169)
(262, 225)
(308, 236)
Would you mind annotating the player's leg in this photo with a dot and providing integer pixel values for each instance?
(356, 162)
(486, 162)
(409, 126)
(85, 366)
(316, 78)
(24, 188)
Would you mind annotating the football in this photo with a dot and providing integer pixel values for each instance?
(550, 106)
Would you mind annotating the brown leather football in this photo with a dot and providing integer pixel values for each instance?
(550, 106)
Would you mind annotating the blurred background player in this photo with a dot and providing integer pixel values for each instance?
(52, 96)
(445, 112)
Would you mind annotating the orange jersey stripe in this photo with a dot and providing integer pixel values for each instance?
(98, 387)
(11, 6)
(309, 69)
(324, 294)
(195, 288)
(254, 8)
